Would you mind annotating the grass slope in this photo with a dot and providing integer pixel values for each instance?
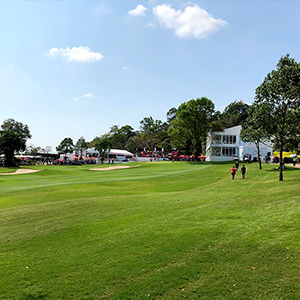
(159, 231)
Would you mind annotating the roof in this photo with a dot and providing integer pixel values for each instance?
(120, 152)
(112, 151)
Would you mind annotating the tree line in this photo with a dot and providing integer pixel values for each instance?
(185, 128)
(273, 115)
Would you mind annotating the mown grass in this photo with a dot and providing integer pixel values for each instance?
(159, 231)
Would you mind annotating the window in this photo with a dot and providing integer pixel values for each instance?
(229, 139)
(228, 151)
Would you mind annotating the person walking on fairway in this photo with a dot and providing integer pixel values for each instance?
(233, 171)
(237, 165)
(243, 170)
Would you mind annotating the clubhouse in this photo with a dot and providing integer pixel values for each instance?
(227, 146)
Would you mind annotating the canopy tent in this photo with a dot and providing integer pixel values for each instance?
(115, 152)
(120, 152)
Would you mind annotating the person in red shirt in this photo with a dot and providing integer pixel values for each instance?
(233, 172)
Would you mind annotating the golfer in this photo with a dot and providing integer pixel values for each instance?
(233, 171)
(243, 170)
(237, 165)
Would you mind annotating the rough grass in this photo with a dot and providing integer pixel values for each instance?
(161, 231)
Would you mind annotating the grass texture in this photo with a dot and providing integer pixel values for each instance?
(160, 230)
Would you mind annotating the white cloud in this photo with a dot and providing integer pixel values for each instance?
(126, 68)
(150, 25)
(193, 22)
(139, 11)
(81, 53)
(89, 95)
(75, 98)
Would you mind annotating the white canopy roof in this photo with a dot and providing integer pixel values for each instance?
(113, 151)
(120, 152)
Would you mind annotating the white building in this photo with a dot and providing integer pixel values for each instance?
(227, 145)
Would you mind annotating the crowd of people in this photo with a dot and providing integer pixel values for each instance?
(151, 154)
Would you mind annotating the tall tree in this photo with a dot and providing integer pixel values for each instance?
(255, 128)
(65, 146)
(103, 146)
(171, 114)
(149, 125)
(81, 145)
(280, 93)
(194, 119)
(133, 143)
(13, 137)
(234, 114)
(119, 136)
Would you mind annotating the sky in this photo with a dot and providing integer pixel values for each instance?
(72, 68)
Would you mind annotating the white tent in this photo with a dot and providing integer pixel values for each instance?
(120, 152)
(117, 152)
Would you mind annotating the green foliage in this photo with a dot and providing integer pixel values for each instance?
(120, 136)
(65, 146)
(81, 145)
(280, 94)
(171, 114)
(103, 147)
(234, 114)
(255, 128)
(194, 119)
(13, 137)
(149, 125)
(133, 143)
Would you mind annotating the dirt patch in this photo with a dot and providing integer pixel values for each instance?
(21, 171)
(114, 168)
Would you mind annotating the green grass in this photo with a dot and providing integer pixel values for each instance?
(159, 231)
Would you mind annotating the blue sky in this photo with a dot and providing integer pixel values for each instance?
(75, 68)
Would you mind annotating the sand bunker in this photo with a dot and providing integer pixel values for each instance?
(21, 171)
(114, 168)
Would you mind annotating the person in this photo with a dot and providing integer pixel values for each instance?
(237, 165)
(243, 170)
(294, 160)
(233, 171)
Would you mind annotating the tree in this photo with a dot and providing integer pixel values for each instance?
(92, 143)
(255, 128)
(65, 146)
(133, 143)
(13, 137)
(81, 145)
(234, 114)
(171, 114)
(280, 94)
(120, 136)
(194, 119)
(103, 146)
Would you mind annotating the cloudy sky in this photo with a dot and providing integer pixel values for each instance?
(75, 68)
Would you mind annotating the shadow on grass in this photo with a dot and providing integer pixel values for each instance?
(210, 162)
(33, 297)
(286, 169)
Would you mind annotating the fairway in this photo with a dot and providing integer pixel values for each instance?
(162, 230)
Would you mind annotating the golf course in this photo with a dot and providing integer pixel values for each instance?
(156, 230)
